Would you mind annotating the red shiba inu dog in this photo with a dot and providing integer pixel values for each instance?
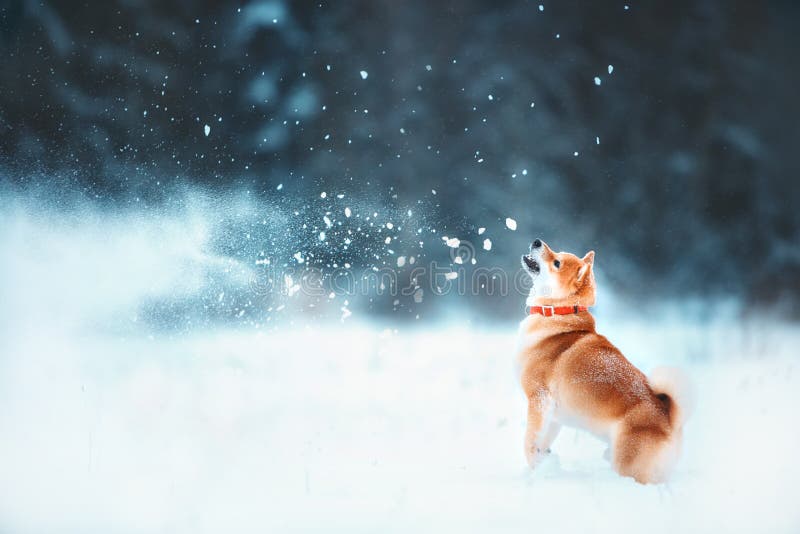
(572, 375)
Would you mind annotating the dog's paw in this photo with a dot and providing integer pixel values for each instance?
(548, 466)
(536, 455)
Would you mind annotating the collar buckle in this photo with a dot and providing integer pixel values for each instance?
(552, 311)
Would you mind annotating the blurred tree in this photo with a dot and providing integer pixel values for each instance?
(660, 134)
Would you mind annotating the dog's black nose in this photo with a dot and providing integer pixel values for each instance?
(536, 243)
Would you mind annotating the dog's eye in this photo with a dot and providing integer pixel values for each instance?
(557, 264)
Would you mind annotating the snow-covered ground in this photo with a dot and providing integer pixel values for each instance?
(362, 429)
(109, 424)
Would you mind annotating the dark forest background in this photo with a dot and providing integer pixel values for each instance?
(678, 163)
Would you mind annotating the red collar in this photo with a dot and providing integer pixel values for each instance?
(549, 311)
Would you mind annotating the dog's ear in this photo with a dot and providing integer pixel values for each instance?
(586, 268)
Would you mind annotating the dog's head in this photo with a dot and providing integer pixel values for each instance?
(560, 277)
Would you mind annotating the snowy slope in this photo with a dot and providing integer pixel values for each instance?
(360, 429)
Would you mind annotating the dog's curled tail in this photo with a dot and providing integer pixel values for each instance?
(674, 389)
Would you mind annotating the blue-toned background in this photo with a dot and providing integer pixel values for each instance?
(661, 135)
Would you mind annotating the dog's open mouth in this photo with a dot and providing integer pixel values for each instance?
(531, 264)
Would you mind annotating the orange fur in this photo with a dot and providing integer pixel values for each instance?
(572, 375)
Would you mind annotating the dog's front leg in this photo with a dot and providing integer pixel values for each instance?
(541, 431)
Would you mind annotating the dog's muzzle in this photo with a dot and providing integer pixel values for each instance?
(529, 263)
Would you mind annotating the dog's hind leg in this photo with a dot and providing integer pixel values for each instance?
(637, 452)
(541, 430)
